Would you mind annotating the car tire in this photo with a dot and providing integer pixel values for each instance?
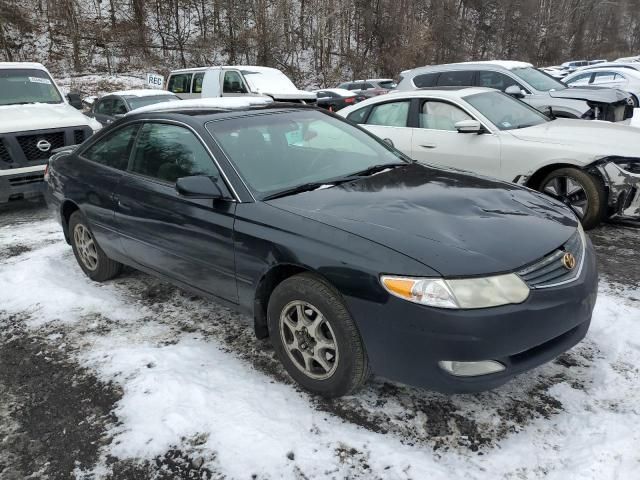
(594, 193)
(91, 258)
(301, 342)
(636, 103)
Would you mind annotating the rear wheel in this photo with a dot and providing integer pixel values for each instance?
(580, 191)
(315, 337)
(93, 261)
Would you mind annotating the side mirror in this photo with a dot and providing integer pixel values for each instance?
(388, 141)
(74, 100)
(469, 126)
(199, 186)
(514, 91)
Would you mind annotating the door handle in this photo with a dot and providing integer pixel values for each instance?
(428, 145)
(123, 205)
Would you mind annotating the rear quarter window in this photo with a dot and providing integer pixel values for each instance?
(180, 83)
(426, 80)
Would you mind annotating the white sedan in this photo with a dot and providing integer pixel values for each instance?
(592, 166)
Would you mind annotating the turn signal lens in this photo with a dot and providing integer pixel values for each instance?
(349, 100)
(459, 293)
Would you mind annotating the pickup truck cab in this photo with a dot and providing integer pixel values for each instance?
(236, 81)
(35, 119)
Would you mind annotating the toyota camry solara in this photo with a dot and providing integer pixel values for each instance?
(351, 258)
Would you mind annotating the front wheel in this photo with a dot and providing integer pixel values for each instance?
(315, 337)
(93, 261)
(580, 191)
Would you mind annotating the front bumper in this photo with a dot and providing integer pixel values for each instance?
(624, 191)
(26, 183)
(405, 341)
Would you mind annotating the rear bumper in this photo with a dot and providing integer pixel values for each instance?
(19, 183)
(405, 341)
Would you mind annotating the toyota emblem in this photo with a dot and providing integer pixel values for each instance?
(43, 145)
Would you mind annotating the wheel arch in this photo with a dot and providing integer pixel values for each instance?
(67, 209)
(534, 180)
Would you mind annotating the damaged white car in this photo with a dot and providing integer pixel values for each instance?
(592, 166)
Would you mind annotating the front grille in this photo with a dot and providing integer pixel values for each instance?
(550, 270)
(78, 137)
(32, 152)
(4, 153)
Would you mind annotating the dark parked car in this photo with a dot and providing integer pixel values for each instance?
(333, 99)
(370, 87)
(350, 257)
(116, 105)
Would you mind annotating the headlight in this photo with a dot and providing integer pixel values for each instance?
(459, 293)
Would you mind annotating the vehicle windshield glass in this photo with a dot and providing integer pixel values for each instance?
(538, 80)
(20, 86)
(390, 84)
(137, 102)
(280, 150)
(504, 111)
(269, 81)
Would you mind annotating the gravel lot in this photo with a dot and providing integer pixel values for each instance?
(136, 379)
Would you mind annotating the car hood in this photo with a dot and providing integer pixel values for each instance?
(592, 94)
(453, 222)
(594, 137)
(40, 116)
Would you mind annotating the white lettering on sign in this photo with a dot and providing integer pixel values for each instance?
(155, 81)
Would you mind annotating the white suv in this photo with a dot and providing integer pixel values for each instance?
(35, 119)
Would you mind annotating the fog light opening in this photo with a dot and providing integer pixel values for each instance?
(471, 369)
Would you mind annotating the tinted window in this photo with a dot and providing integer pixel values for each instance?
(113, 150)
(280, 150)
(457, 79)
(137, 102)
(197, 82)
(105, 107)
(233, 83)
(168, 152)
(366, 86)
(441, 116)
(180, 83)
(582, 79)
(392, 114)
(390, 84)
(359, 115)
(496, 80)
(537, 79)
(426, 80)
(119, 108)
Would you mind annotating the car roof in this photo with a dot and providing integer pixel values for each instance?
(203, 104)
(595, 69)
(505, 64)
(147, 92)
(255, 68)
(447, 92)
(340, 91)
(32, 65)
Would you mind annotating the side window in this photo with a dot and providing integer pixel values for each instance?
(426, 80)
(602, 77)
(582, 79)
(180, 83)
(197, 83)
(105, 107)
(461, 78)
(367, 86)
(119, 108)
(441, 116)
(168, 152)
(113, 150)
(355, 86)
(496, 80)
(233, 83)
(392, 114)
(359, 115)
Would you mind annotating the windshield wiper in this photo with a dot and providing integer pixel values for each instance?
(376, 169)
(305, 187)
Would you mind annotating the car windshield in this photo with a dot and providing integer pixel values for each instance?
(538, 80)
(21, 86)
(281, 150)
(269, 81)
(137, 102)
(504, 111)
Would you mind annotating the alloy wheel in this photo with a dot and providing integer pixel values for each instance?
(86, 247)
(309, 340)
(570, 192)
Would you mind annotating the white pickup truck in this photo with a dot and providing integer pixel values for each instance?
(236, 81)
(35, 119)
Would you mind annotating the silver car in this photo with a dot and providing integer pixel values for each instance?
(626, 79)
(525, 82)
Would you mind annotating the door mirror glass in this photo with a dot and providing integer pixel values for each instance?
(74, 100)
(199, 186)
(468, 126)
(514, 91)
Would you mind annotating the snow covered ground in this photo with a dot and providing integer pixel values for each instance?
(194, 393)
